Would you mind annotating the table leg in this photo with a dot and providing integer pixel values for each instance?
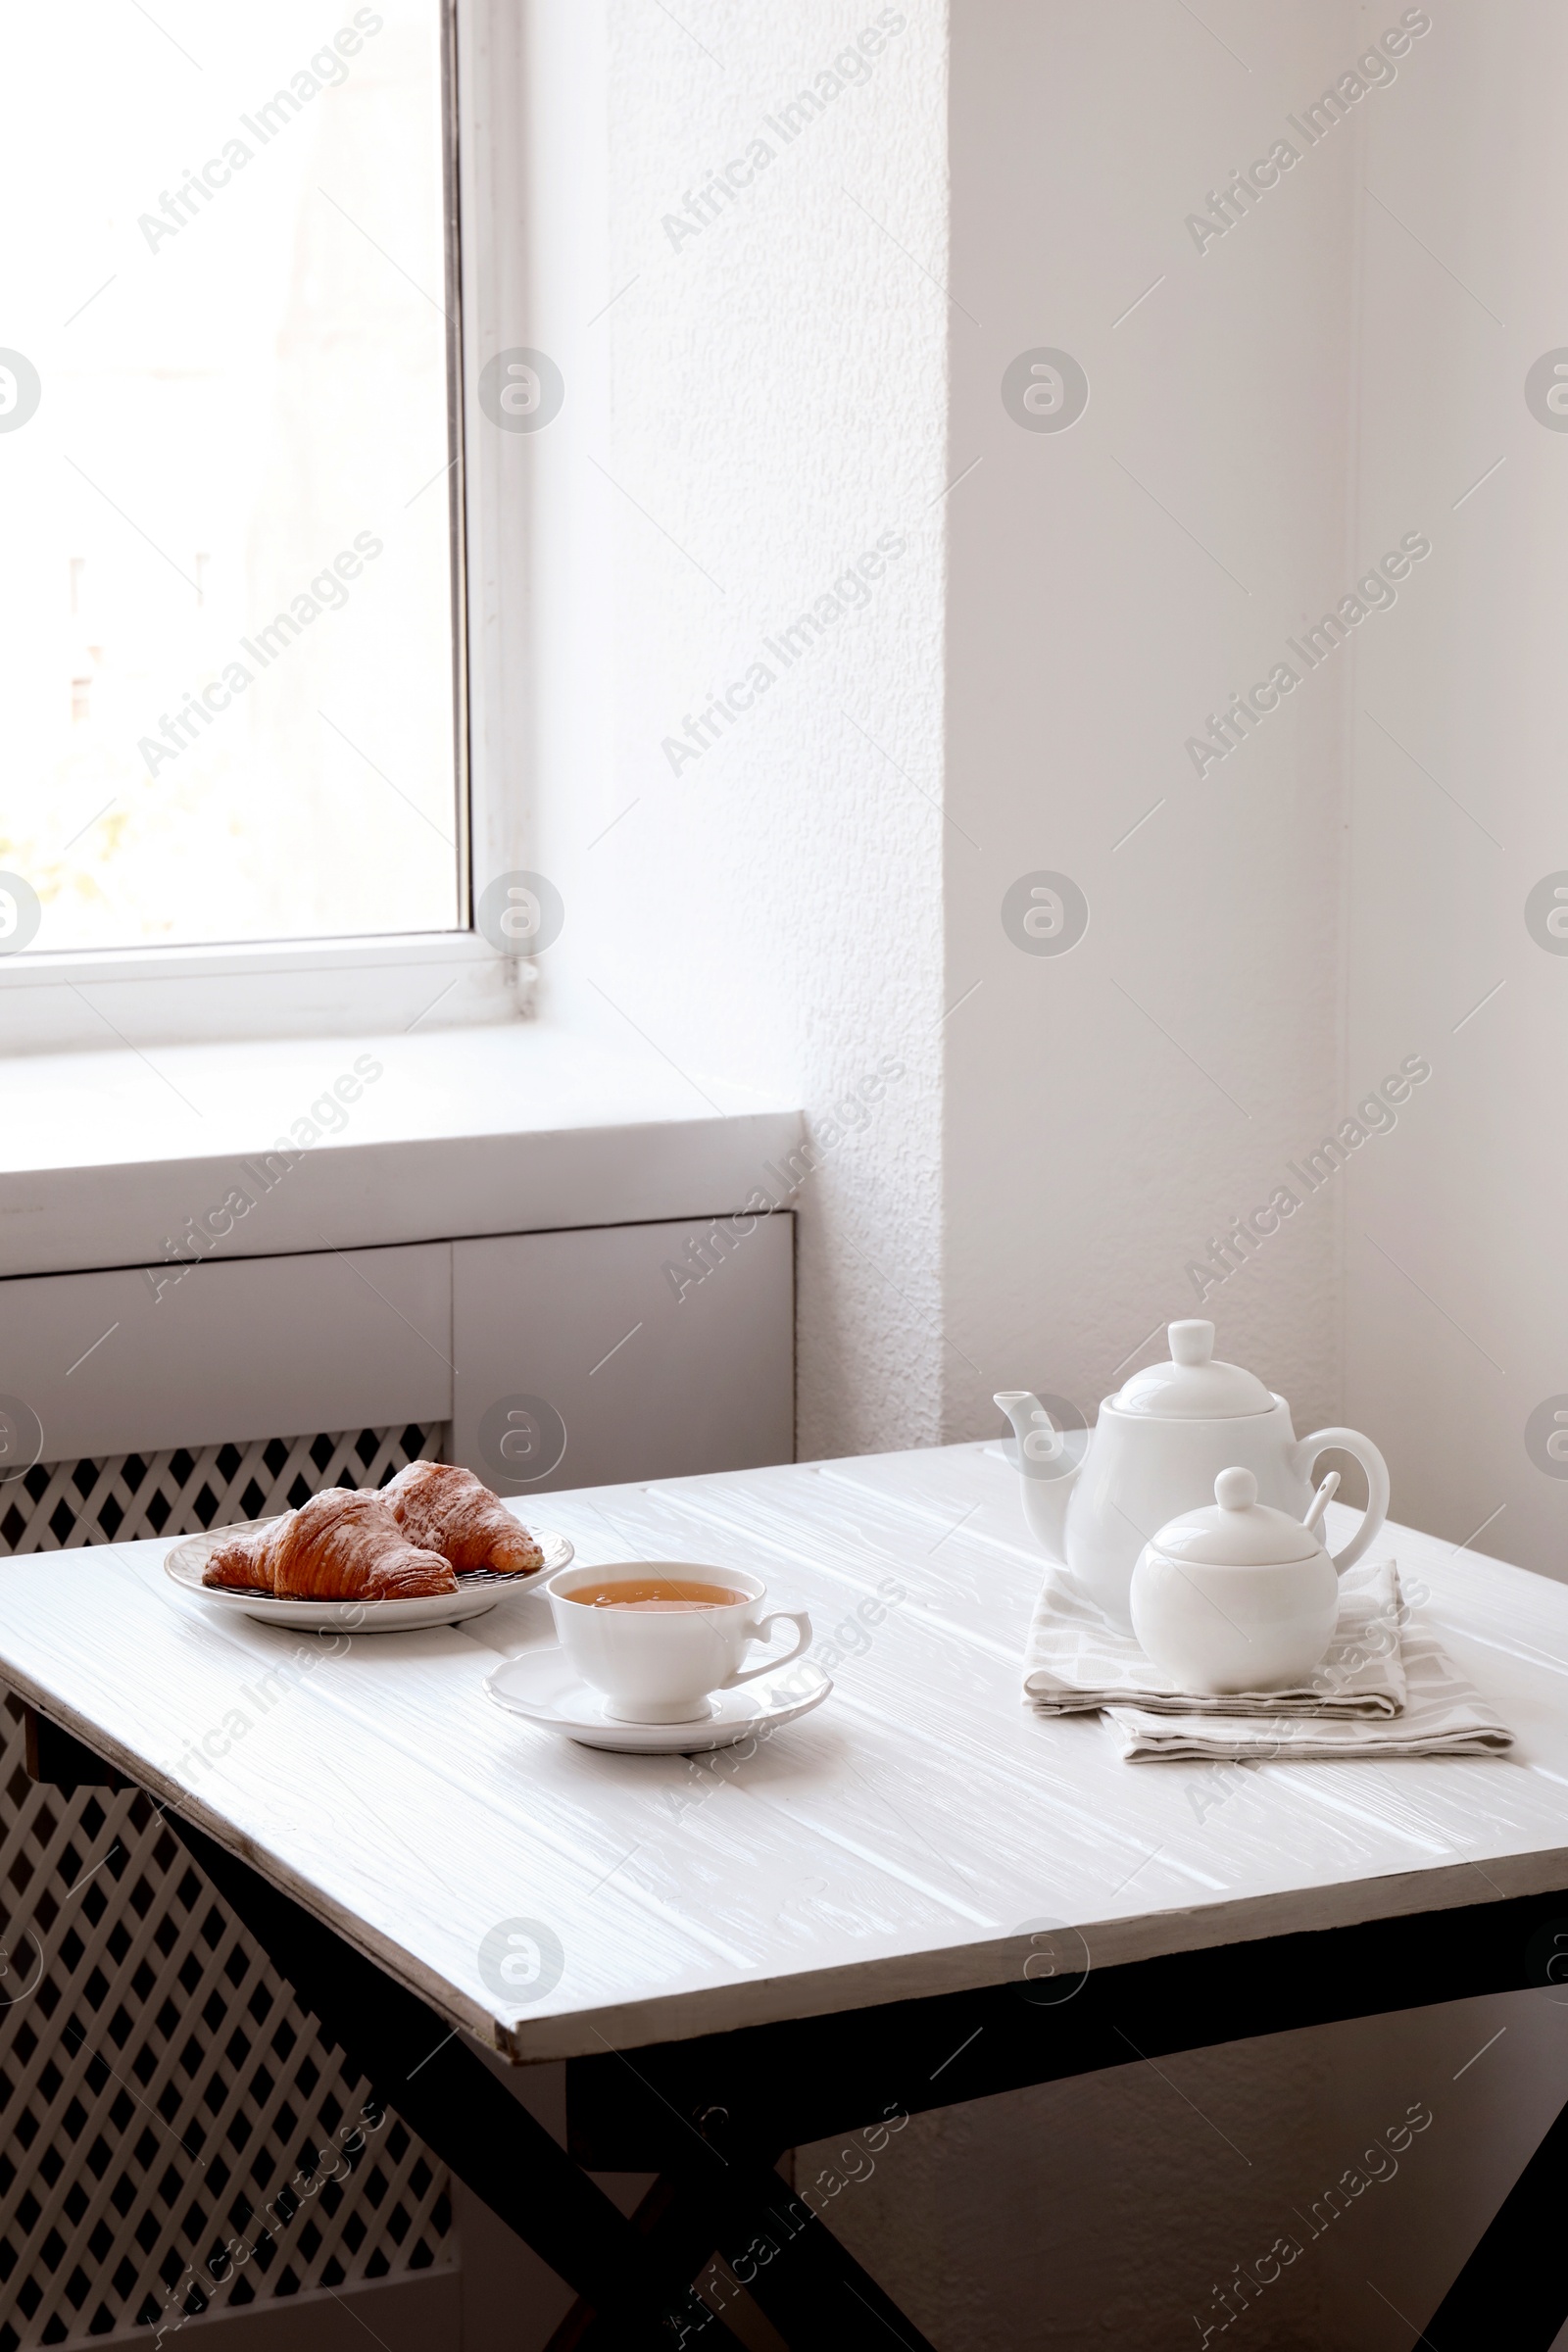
(632, 2278)
(579, 2330)
(719, 2187)
(462, 2112)
(801, 2276)
(807, 2283)
(1514, 2288)
(816, 2296)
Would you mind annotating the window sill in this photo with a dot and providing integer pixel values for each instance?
(107, 1158)
(256, 992)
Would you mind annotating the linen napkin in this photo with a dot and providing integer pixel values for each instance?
(1077, 1661)
(1385, 1689)
(1444, 1715)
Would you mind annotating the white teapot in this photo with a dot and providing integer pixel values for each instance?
(1155, 1451)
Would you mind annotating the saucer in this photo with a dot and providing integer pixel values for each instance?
(478, 1589)
(544, 1686)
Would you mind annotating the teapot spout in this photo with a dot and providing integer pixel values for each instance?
(1048, 1472)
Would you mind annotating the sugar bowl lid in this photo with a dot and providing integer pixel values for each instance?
(1191, 1385)
(1237, 1531)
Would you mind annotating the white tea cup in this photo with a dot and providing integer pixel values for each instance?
(655, 1660)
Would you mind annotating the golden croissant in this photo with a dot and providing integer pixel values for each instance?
(340, 1545)
(243, 1563)
(451, 1511)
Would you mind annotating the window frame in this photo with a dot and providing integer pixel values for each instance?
(168, 992)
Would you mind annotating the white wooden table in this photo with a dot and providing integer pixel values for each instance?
(797, 1937)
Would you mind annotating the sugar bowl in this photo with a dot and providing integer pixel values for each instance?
(1237, 1596)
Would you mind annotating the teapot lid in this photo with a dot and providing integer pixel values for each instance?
(1192, 1386)
(1237, 1531)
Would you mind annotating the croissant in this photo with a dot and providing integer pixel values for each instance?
(244, 1564)
(345, 1545)
(450, 1511)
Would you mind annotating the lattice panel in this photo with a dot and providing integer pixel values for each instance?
(58, 1505)
(158, 2083)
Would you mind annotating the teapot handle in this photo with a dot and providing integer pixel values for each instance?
(1362, 1449)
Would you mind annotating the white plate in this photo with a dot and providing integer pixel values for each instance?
(544, 1686)
(477, 1590)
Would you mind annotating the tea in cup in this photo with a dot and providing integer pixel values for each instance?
(656, 1635)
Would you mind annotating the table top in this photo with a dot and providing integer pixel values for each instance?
(903, 1840)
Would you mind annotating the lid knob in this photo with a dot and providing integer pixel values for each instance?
(1190, 1341)
(1235, 1490)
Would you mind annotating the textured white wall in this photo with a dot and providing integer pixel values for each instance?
(766, 407)
(1460, 711)
(1102, 2212)
(1110, 1109)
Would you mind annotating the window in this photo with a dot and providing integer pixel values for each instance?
(232, 660)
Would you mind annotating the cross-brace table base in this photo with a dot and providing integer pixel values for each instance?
(712, 2116)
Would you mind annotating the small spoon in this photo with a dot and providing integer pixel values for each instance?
(1320, 1501)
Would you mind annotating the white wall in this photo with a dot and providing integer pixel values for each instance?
(763, 403)
(1093, 620)
(1469, 683)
